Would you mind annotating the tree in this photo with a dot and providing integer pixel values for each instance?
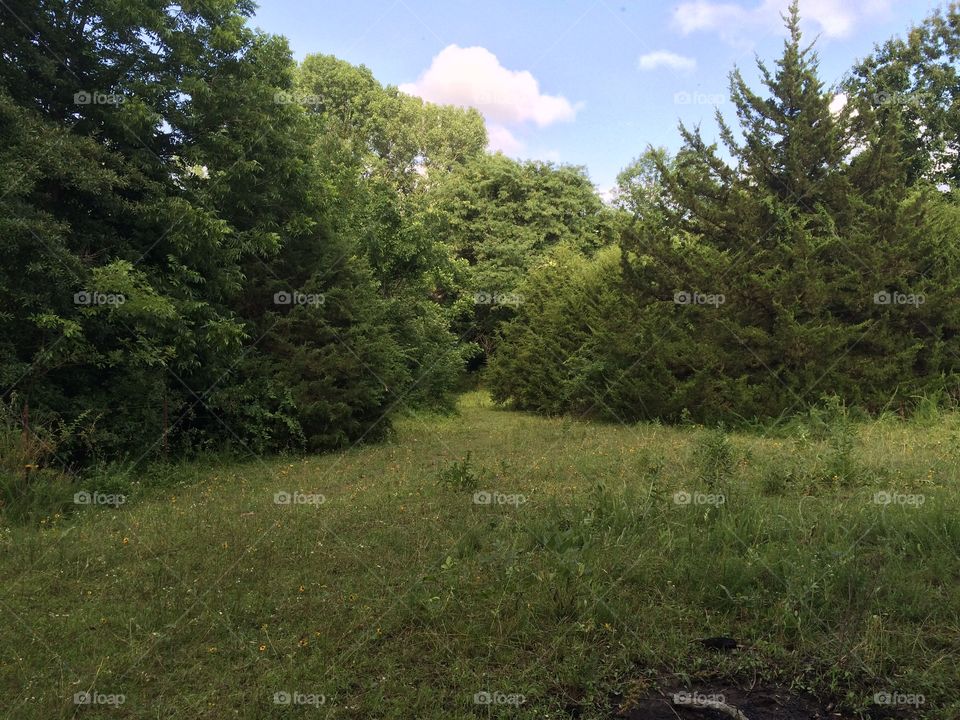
(383, 153)
(155, 163)
(503, 217)
(808, 266)
(911, 87)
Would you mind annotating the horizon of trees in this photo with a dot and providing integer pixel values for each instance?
(208, 245)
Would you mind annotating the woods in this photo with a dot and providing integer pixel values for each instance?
(219, 179)
(322, 397)
(208, 245)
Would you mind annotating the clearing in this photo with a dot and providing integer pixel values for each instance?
(498, 564)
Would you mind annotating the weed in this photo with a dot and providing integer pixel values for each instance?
(460, 474)
(714, 457)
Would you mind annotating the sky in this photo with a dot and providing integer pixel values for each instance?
(581, 82)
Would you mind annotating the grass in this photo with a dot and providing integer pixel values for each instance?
(590, 563)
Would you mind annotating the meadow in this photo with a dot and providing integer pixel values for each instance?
(499, 564)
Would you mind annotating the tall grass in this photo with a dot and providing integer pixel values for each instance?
(601, 558)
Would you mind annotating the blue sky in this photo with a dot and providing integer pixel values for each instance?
(586, 82)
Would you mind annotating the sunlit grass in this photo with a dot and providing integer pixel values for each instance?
(400, 597)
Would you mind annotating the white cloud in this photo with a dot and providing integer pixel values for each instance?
(707, 15)
(502, 140)
(838, 103)
(834, 18)
(473, 77)
(667, 59)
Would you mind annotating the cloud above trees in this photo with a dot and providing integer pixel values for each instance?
(666, 59)
(508, 99)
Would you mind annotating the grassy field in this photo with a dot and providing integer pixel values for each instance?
(590, 563)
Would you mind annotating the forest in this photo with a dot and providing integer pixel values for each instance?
(219, 265)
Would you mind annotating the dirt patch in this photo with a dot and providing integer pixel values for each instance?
(755, 704)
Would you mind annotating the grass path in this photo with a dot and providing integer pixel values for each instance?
(603, 554)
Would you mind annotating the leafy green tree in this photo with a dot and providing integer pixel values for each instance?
(384, 152)
(503, 217)
(640, 191)
(153, 159)
(911, 87)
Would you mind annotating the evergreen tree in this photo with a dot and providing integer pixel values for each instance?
(835, 276)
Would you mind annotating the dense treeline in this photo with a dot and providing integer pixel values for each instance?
(821, 258)
(174, 256)
(207, 244)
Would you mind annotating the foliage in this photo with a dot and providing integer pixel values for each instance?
(502, 217)
(164, 186)
(749, 289)
(714, 456)
(171, 175)
(911, 87)
(459, 474)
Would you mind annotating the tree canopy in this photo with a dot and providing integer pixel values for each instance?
(207, 244)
